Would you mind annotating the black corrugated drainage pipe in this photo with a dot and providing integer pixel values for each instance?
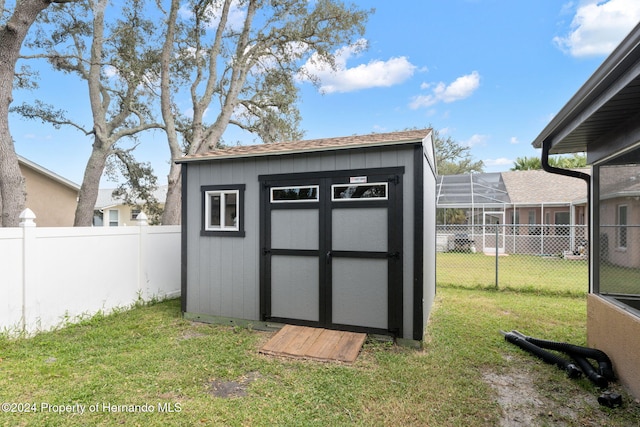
(605, 367)
(572, 370)
(578, 354)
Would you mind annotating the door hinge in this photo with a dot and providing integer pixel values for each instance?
(394, 255)
(395, 179)
(266, 251)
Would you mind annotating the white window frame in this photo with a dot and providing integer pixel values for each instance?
(317, 198)
(110, 221)
(223, 213)
(360, 199)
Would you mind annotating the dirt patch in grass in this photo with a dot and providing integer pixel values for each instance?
(524, 401)
(238, 388)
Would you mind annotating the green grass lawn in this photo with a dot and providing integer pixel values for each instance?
(151, 356)
(520, 272)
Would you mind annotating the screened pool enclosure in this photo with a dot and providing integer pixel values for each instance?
(525, 212)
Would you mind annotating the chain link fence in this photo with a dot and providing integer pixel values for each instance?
(537, 257)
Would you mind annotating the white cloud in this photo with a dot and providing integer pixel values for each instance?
(376, 73)
(476, 140)
(499, 162)
(598, 27)
(460, 88)
(514, 140)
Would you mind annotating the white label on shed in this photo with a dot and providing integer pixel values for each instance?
(357, 179)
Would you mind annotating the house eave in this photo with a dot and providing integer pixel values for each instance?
(574, 128)
(64, 181)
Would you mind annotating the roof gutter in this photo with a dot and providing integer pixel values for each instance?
(544, 159)
(546, 147)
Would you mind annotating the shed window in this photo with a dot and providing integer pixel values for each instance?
(223, 210)
(308, 193)
(367, 191)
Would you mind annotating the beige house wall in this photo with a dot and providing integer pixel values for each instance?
(614, 331)
(623, 257)
(124, 216)
(53, 202)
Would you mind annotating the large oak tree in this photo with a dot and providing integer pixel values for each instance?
(117, 61)
(237, 61)
(12, 35)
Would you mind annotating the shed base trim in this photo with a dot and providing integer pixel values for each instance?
(274, 326)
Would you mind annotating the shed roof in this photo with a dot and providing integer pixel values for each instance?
(607, 100)
(311, 145)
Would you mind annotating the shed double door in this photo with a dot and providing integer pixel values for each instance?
(331, 253)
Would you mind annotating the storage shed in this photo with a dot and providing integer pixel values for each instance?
(336, 233)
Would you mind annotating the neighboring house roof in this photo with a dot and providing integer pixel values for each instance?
(625, 182)
(541, 187)
(54, 176)
(325, 144)
(106, 199)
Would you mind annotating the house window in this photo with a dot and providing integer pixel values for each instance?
(134, 214)
(367, 191)
(113, 218)
(515, 220)
(562, 218)
(621, 232)
(98, 218)
(308, 193)
(532, 217)
(223, 210)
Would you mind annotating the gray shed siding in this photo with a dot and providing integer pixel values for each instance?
(222, 272)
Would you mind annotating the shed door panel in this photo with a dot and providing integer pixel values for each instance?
(359, 292)
(356, 229)
(294, 287)
(295, 229)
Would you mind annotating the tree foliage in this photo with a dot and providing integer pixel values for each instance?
(14, 26)
(574, 161)
(238, 61)
(117, 61)
(453, 158)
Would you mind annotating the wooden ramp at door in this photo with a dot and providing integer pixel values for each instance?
(315, 343)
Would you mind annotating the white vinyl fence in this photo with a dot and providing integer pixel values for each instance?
(50, 276)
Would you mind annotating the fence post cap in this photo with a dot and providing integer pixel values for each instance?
(142, 218)
(26, 218)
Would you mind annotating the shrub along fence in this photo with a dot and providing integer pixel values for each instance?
(536, 256)
(50, 276)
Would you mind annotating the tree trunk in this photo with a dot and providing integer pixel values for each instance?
(173, 204)
(12, 187)
(172, 207)
(90, 185)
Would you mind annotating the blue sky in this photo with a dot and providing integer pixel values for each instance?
(488, 73)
